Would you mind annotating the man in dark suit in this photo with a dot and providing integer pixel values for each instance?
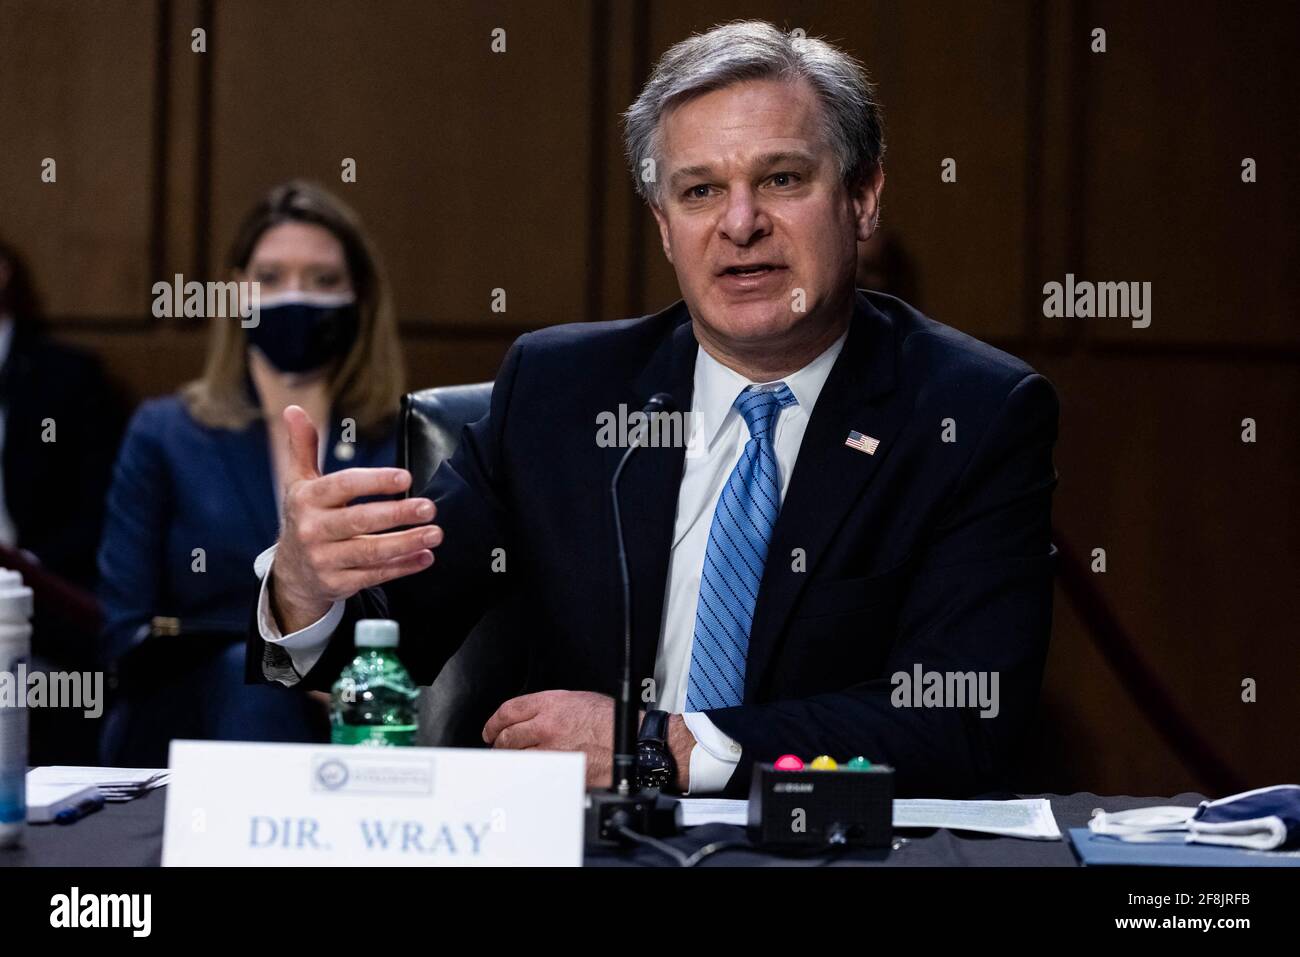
(60, 423)
(866, 494)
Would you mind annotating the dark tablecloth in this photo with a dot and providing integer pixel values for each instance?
(130, 835)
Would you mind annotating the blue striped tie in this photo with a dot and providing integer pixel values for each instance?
(734, 558)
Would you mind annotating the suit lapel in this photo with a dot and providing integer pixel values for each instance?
(829, 477)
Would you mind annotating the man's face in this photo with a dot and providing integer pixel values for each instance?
(755, 216)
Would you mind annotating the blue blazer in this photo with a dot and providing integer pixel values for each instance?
(180, 486)
(927, 554)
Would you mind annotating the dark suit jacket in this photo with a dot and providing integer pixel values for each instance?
(54, 491)
(177, 486)
(927, 552)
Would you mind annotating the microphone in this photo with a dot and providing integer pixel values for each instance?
(622, 808)
(624, 771)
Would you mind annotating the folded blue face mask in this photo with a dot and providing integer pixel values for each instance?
(1265, 819)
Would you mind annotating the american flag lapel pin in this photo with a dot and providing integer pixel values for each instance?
(863, 443)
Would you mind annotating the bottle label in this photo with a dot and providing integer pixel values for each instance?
(374, 735)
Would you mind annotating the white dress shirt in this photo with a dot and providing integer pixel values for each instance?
(719, 438)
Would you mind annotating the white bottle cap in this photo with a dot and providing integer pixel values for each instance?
(376, 633)
(15, 597)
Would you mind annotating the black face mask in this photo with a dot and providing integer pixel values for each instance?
(299, 336)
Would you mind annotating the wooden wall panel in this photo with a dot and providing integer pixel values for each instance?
(619, 239)
(1200, 533)
(955, 84)
(76, 85)
(1173, 107)
(1090, 735)
(472, 166)
(183, 178)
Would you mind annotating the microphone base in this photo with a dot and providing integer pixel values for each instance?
(607, 810)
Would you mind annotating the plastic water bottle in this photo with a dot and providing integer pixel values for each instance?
(15, 649)
(374, 700)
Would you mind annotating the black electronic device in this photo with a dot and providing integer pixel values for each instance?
(850, 806)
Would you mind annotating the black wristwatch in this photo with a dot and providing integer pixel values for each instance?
(655, 767)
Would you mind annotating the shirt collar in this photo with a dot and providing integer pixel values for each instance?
(716, 387)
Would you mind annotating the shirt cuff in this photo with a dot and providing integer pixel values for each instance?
(714, 757)
(304, 646)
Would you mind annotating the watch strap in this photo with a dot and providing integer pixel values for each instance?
(654, 728)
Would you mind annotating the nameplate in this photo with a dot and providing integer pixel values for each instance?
(237, 804)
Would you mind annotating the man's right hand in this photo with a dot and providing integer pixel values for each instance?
(330, 550)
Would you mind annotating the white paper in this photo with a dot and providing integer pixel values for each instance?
(116, 784)
(1028, 818)
(696, 811)
(44, 801)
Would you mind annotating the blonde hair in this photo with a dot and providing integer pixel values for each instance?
(367, 383)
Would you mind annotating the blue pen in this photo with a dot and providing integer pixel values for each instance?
(79, 810)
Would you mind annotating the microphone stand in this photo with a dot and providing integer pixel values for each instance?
(624, 805)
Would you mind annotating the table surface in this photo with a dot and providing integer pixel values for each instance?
(130, 835)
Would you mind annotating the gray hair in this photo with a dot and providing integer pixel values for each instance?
(754, 50)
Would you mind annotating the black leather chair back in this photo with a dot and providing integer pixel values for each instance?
(489, 667)
(432, 421)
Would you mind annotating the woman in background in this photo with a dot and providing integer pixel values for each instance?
(200, 478)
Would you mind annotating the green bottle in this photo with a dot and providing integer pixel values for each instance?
(374, 701)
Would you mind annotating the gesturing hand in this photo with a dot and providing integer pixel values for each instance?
(329, 550)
